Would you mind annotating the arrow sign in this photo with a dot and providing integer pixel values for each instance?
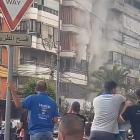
(14, 10)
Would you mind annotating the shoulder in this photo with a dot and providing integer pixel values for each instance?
(51, 102)
(120, 97)
(29, 97)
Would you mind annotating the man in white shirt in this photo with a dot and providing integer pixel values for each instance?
(106, 108)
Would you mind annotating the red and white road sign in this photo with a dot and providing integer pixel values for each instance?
(13, 11)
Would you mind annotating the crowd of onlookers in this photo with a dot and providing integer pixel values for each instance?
(114, 115)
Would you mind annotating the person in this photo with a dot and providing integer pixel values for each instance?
(132, 114)
(42, 112)
(75, 109)
(22, 134)
(24, 123)
(106, 108)
(72, 124)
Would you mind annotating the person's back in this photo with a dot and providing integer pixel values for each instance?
(133, 115)
(71, 127)
(106, 112)
(106, 108)
(41, 113)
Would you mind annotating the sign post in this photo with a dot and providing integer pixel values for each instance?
(13, 11)
(11, 40)
(8, 95)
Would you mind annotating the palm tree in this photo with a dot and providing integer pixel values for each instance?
(117, 74)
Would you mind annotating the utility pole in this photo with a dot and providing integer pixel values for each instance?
(8, 95)
(58, 58)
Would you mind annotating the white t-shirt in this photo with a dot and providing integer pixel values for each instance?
(106, 108)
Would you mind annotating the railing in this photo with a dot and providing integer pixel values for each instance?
(34, 62)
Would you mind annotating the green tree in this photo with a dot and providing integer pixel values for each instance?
(29, 88)
(116, 73)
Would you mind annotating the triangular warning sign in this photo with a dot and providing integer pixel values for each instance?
(13, 11)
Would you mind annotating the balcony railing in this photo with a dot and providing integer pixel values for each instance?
(34, 62)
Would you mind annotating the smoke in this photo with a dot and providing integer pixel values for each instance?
(93, 33)
(83, 37)
(98, 42)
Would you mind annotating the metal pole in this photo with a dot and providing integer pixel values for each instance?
(8, 95)
(58, 60)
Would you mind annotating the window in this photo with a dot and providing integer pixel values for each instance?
(134, 3)
(127, 61)
(40, 2)
(84, 65)
(117, 58)
(34, 60)
(55, 34)
(136, 63)
(38, 29)
(50, 33)
(1, 22)
(23, 26)
(35, 5)
(137, 4)
(32, 25)
(46, 9)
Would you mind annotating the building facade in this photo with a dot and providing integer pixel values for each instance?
(115, 35)
(74, 42)
(39, 59)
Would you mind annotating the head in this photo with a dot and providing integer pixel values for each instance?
(75, 107)
(41, 86)
(110, 87)
(71, 128)
(138, 94)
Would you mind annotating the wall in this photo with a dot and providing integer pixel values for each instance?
(3, 67)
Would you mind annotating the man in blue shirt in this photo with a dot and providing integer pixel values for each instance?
(42, 112)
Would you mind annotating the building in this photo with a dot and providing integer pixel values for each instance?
(116, 36)
(74, 42)
(39, 59)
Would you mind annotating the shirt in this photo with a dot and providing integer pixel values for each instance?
(132, 114)
(106, 108)
(41, 112)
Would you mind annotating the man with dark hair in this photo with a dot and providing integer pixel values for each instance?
(72, 124)
(42, 112)
(132, 114)
(106, 109)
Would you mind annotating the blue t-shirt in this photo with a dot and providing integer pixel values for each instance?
(41, 111)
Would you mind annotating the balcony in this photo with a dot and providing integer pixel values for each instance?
(73, 77)
(31, 13)
(121, 6)
(71, 28)
(78, 4)
(48, 16)
(67, 53)
(31, 68)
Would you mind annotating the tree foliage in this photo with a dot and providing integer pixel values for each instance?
(117, 74)
(29, 88)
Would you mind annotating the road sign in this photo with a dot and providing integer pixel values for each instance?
(13, 39)
(13, 11)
